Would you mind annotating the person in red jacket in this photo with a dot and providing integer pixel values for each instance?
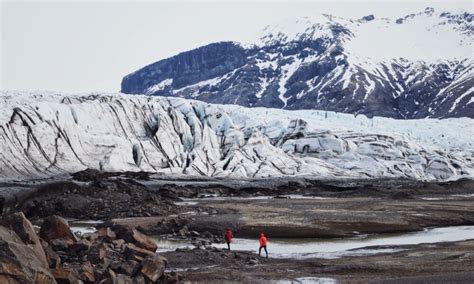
(263, 244)
(228, 237)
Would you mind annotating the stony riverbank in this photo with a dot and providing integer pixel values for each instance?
(433, 263)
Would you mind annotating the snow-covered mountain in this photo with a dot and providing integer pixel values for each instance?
(416, 66)
(48, 134)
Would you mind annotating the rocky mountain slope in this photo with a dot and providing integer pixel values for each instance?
(48, 134)
(416, 66)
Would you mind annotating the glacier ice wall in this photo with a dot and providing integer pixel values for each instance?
(49, 134)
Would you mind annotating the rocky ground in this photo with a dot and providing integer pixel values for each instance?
(199, 210)
(440, 263)
(53, 254)
(332, 217)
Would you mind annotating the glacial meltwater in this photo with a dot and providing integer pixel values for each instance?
(165, 245)
(83, 226)
(320, 248)
(334, 248)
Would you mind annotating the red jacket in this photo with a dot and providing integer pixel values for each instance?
(228, 236)
(263, 240)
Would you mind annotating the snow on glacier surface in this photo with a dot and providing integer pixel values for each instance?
(48, 134)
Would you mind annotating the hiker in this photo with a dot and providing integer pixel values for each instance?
(228, 237)
(263, 244)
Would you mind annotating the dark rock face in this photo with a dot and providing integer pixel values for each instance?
(313, 73)
(368, 18)
(188, 67)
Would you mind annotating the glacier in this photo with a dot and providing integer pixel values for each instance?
(48, 134)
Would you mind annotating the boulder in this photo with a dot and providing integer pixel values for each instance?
(22, 259)
(24, 229)
(51, 256)
(133, 252)
(91, 237)
(115, 265)
(7, 280)
(80, 247)
(130, 267)
(135, 237)
(106, 251)
(19, 264)
(59, 244)
(106, 263)
(153, 267)
(66, 275)
(101, 253)
(87, 272)
(106, 234)
(118, 243)
(139, 279)
(94, 253)
(122, 279)
(143, 241)
(55, 227)
(118, 278)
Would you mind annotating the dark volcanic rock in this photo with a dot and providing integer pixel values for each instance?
(153, 267)
(22, 259)
(133, 252)
(188, 67)
(24, 229)
(66, 275)
(140, 240)
(104, 198)
(55, 227)
(107, 234)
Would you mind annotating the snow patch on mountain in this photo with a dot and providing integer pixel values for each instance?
(427, 36)
(159, 87)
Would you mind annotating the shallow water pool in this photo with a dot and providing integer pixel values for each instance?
(319, 248)
(334, 248)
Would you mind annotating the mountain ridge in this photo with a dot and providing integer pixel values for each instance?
(326, 67)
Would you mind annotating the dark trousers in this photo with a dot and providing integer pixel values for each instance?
(260, 250)
(228, 245)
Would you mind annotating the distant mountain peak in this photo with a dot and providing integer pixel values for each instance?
(427, 35)
(416, 66)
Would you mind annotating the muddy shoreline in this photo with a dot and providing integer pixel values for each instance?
(440, 263)
(199, 209)
(445, 262)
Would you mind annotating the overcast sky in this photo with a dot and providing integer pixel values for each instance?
(76, 46)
